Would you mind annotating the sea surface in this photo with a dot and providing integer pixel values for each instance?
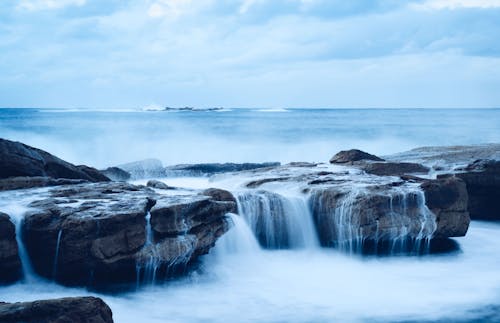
(103, 138)
(240, 282)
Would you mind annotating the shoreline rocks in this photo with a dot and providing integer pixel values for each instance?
(74, 309)
(18, 160)
(100, 234)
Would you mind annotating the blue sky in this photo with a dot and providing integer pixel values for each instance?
(250, 53)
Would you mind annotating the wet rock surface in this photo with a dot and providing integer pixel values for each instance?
(353, 155)
(214, 168)
(10, 263)
(394, 169)
(25, 182)
(75, 310)
(94, 234)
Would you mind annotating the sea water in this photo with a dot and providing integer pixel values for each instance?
(107, 138)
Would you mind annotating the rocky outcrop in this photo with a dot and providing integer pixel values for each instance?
(102, 233)
(483, 187)
(75, 310)
(394, 169)
(214, 168)
(116, 174)
(353, 155)
(18, 160)
(10, 263)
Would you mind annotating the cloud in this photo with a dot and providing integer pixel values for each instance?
(456, 4)
(249, 53)
(36, 5)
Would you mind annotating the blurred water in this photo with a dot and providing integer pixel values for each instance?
(105, 138)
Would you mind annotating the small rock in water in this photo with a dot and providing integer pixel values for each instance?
(353, 155)
(158, 184)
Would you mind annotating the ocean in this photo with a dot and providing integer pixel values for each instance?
(105, 138)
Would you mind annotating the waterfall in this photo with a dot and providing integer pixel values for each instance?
(278, 221)
(238, 240)
(56, 255)
(149, 268)
(362, 220)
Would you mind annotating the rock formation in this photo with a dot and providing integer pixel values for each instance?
(75, 310)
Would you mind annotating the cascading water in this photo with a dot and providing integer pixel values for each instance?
(147, 270)
(238, 240)
(278, 221)
(56, 255)
(16, 213)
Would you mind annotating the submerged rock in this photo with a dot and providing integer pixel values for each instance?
(10, 263)
(214, 168)
(102, 233)
(158, 184)
(483, 187)
(353, 155)
(17, 160)
(74, 309)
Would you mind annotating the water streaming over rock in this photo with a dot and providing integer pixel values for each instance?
(362, 219)
(238, 240)
(278, 221)
(56, 255)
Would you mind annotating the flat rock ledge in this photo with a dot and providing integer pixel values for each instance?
(74, 310)
(105, 233)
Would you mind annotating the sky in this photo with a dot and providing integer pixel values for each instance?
(250, 53)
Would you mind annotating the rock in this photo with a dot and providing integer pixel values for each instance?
(483, 187)
(214, 168)
(394, 169)
(17, 160)
(147, 168)
(14, 183)
(116, 174)
(158, 184)
(388, 215)
(219, 195)
(447, 199)
(10, 263)
(353, 155)
(75, 310)
(97, 234)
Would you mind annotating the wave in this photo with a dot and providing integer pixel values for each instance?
(273, 110)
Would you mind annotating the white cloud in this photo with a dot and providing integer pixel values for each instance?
(36, 5)
(169, 8)
(455, 4)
